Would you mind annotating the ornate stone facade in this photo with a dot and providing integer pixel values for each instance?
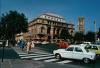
(47, 25)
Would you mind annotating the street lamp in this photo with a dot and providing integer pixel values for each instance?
(4, 42)
(95, 30)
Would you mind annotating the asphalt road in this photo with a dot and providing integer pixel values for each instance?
(9, 53)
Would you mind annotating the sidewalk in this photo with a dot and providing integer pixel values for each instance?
(8, 63)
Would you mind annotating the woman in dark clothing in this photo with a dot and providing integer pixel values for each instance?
(21, 44)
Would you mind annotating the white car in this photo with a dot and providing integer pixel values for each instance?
(86, 43)
(75, 52)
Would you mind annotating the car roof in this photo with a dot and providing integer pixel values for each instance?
(76, 46)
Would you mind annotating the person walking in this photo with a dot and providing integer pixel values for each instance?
(28, 46)
(63, 44)
(32, 44)
(21, 44)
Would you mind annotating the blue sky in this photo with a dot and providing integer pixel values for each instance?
(69, 9)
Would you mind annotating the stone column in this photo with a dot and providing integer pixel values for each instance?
(45, 30)
(38, 29)
(51, 33)
(55, 31)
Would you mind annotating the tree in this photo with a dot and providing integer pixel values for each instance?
(90, 36)
(12, 24)
(64, 34)
(79, 37)
(1, 29)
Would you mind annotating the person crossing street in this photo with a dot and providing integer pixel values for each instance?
(21, 44)
(28, 46)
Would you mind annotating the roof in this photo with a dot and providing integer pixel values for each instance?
(53, 14)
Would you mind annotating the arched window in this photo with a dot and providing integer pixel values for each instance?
(42, 29)
(48, 30)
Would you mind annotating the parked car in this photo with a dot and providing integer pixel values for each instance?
(98, 43)
(85, 43)
(75, 52)
(95, 48)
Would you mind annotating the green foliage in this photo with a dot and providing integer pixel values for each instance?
(79, 37)
(50, 47)
(64, 34)
(90, 36)
(98, 34)
(13, 23)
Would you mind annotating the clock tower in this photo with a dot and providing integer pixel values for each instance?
(81, 24)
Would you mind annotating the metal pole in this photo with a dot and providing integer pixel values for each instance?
(3, 52)
(95, 30)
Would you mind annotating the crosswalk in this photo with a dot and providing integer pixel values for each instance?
(45, 57)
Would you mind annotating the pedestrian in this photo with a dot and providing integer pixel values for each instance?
(66, 44)
(21, 44)
(63, 44)
(32, 44)
(28, 46)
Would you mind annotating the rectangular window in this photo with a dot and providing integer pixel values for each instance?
(77, 49)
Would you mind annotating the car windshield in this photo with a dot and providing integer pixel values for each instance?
(87, 47)
(87, 50)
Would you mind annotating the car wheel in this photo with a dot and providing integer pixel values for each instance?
(86, 60)
(58, 56)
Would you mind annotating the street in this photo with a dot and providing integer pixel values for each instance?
(46, 59)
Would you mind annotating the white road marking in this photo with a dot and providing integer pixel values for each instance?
(46, 57)
(21, 55)
(26, 54)
(34, 56)
(65, 61)
(50, 60)
(42, 53)
(43, 58)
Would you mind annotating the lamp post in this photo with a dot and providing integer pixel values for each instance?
(95, 30)
(4, 42)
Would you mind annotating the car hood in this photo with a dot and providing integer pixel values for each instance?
(96, 51)
(91, 53)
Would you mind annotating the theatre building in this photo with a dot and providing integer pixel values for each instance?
(46, 26)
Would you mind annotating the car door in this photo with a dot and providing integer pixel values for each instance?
(78, 53)
(68, 52)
